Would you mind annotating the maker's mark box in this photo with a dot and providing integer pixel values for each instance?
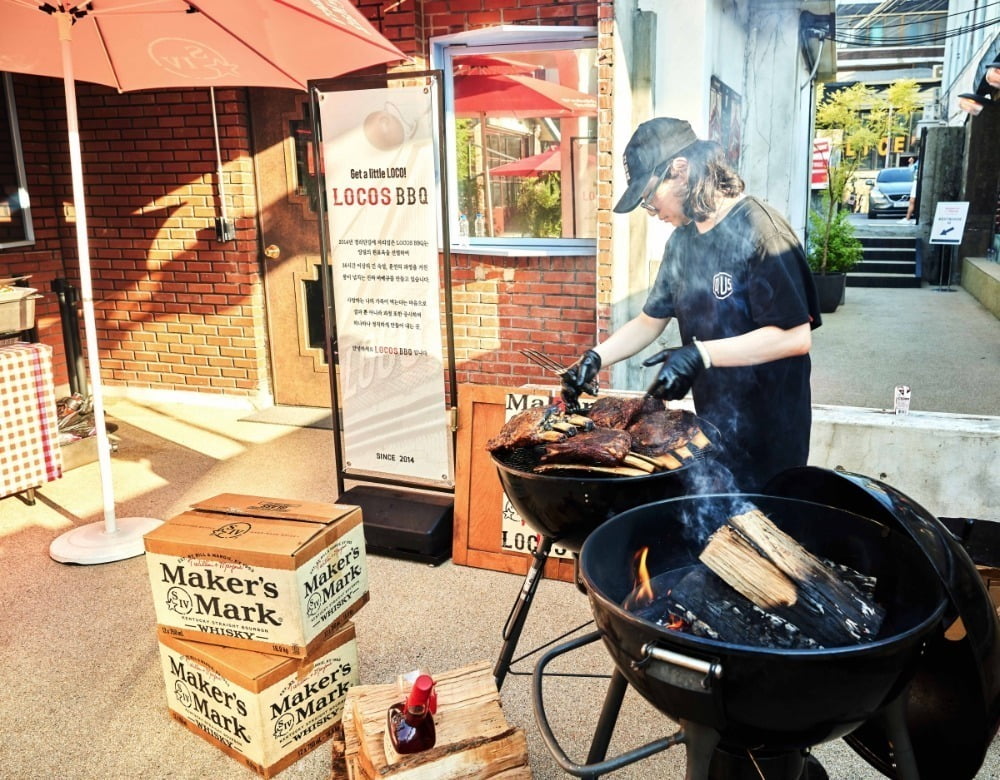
(263, 574)
(267, 711)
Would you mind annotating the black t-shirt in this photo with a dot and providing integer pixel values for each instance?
(747, 272)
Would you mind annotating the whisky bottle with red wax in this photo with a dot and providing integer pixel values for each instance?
(410, 724)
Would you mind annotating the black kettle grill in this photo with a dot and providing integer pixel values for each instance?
(564, 506)
(927, 685)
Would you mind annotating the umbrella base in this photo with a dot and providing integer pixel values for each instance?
(87, 544)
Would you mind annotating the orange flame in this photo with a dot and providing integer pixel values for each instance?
(676, 623)
(644, 590)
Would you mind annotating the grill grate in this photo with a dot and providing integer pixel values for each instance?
(527, 459)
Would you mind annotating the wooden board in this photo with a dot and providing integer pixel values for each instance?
(474, 739)
(478, 492)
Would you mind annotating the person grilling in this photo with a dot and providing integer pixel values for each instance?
(735, 277)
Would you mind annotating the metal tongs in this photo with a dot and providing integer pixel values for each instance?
(543, 360)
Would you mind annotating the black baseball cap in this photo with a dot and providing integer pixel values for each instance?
(652, 144)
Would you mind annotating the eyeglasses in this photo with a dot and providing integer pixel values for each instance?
(654, 184)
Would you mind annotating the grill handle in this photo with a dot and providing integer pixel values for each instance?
(602, 736)
(709, 671)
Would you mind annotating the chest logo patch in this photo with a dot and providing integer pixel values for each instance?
(722, 285)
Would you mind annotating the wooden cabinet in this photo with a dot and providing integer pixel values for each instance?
(479, 498)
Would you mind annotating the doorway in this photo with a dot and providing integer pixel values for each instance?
(287, 191)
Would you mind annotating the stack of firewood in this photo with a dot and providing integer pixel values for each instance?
(473, 736)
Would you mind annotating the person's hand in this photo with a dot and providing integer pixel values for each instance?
(581, 377)
(680, 368)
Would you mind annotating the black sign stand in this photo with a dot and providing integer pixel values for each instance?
(941, 274)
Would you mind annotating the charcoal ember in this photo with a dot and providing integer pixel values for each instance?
(599, 447)
(714, 610)
(536, 425)
(666, 431)
(611, 411)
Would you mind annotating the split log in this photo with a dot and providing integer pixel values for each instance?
(776, 573)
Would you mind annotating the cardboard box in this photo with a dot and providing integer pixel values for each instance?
(18, 314)
(267, 711)
(263, 574)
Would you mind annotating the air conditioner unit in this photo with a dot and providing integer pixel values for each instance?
(937, 71)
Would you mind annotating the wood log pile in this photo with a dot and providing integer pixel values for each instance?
(473, 736)
(757, 585)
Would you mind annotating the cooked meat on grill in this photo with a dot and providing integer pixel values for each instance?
(599, 447)
(611, 411)
(669, 431)
(537, 425)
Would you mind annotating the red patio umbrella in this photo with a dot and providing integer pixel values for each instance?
(518, 96)
(147, 44)
(548, 161)
(521, 97)
(490, 65)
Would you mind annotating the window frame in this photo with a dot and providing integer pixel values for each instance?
(501, 39)
(24, 201)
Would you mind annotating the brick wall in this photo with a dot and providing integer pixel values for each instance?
(178, 311)
(175, 310)
(504, 305)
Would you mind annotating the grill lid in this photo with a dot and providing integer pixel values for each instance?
(953, 704)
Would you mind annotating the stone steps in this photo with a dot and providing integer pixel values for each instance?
(888, 261)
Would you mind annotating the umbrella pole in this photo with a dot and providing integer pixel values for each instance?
(112, 540)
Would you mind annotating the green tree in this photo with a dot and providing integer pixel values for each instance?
(866, 117)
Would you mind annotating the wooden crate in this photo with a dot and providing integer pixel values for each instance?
(478, 492)
(474, 739)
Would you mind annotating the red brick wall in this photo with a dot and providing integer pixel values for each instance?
(504, 305)
(175, 309)
(178, 311)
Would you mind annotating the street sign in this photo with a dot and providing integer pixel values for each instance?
(949, 222)
(820, 163)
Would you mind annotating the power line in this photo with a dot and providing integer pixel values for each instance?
(850, 37)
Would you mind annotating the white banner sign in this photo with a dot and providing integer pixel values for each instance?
(382, 206)
(949, 222)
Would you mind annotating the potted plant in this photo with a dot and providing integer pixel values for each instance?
(832, 249)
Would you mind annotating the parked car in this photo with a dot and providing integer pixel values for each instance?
(890, 192)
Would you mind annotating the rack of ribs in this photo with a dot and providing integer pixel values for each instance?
(611, 411)
(537, 425)
(668, 437)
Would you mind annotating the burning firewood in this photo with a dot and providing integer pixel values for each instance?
(536, 426)
(772, 570)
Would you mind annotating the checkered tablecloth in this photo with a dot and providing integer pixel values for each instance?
(29, 429)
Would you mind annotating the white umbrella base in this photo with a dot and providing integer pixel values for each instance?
(91, 543)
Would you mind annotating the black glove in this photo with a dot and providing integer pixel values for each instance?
(680, 368)
(581, 377)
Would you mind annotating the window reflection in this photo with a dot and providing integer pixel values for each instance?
(15, 213)
(525, 130)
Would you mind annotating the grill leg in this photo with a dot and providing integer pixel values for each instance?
(701, 743)
(519, 612)
(606, 722)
